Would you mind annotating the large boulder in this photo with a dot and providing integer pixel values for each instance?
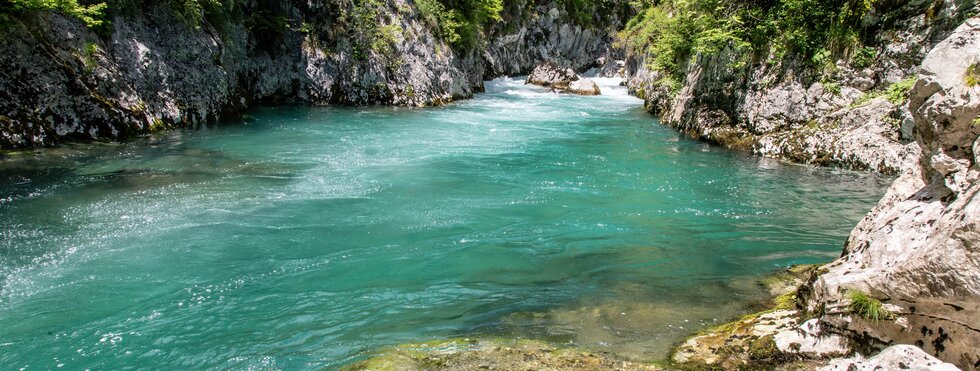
(550, 75)
(583, 87)
(918, 250)
(562, 80)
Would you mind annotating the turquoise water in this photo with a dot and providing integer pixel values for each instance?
(309, 237)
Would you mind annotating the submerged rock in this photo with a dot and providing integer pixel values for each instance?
(611, 67)
(466, 354)
(767, 339)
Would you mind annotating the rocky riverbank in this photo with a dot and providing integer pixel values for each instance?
(851, 113)
(154, 68)
(910, 271)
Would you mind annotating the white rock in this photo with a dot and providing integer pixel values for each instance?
(898, 357)
(583, 87)
(808, 340)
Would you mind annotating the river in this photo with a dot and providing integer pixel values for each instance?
(303, 237)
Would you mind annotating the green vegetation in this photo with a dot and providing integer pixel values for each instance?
(92, 14)
(864, 57)
(580, 11)
(671, 32)
(459, 22)
(896, 93)
(88, 57)
(972, 75)
(867, 307)
(764, 349)
(833, 88)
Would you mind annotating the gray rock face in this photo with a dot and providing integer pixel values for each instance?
(784, 108)
(919, 248)
(898, 357)
(548, 36)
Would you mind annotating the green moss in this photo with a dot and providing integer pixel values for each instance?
(785, 301)
(763, 349)
(733, 327)
(867, 307)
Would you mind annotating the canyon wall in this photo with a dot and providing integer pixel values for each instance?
(155, 69)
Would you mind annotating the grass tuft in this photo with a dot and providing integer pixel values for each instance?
(867, 307)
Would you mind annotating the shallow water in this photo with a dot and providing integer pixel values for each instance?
(309, 237)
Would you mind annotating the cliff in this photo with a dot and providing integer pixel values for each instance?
(155, 67)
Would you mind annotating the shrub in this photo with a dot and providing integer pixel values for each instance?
(864, 57)
(88, 57)
(896, 93)
(671, 32)
(833, 88)
(92, 14)
(460, 22)
(867, 307)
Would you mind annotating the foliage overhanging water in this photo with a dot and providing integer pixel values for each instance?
(309, 237)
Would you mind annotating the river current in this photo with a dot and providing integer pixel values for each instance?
(304, 237)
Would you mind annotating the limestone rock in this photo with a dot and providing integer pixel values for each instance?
(808, 340)
(562, 80)
(919, 248)
(583, 87)
(898, 357)
(549, 74)
(610, 67)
